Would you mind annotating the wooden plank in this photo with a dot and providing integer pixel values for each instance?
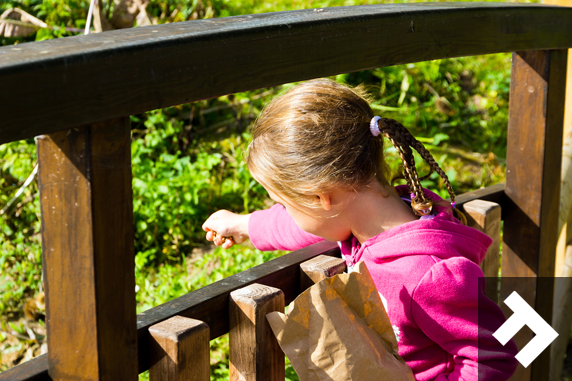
(494, 193)
(87, 248)
(135, 70)
(485, 216)
(319, 268)
(254, 351)
(35, 369)
(180, 350)
(536, 112)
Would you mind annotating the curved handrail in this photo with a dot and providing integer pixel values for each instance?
(59, 84)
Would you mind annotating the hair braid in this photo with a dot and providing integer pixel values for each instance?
(408, 161)
(426, 155)
(403, 141)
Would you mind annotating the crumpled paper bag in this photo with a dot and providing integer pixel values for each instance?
(338, 330)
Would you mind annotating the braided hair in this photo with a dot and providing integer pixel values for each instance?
(403, 142)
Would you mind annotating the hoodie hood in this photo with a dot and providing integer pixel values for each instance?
(442, 236)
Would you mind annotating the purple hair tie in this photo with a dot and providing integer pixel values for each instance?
(453, 204)
(373, 127)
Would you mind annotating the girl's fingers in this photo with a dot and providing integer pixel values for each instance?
(227, 244)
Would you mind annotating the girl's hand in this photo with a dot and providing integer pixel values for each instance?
(223, 224)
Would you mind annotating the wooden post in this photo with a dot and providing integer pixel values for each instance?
(536, 112)
(562, 311)
(319, 268)
(254, 352)
(485, 216)
(180, 350)
(87, 248)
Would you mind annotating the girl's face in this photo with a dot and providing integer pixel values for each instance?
(321, 221)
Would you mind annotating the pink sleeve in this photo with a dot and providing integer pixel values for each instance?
(274, 229)
(451, 308)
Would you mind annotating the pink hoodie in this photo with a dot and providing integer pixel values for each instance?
(426, 272)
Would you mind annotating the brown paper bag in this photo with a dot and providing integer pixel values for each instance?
(338, 330)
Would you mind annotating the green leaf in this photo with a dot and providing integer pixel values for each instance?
(439, 138)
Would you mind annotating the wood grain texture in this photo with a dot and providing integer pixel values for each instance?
(536, 113)
(494, 193)
(35, 369)
(87, 247)
(485, 216)
(319, 268)
(180, 350)
(135, 70)
(254, 351)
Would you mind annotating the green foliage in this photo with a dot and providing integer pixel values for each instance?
(465, 99)
(181, 177)
(20, 254)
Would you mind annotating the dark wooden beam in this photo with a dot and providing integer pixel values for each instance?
(534, 154)
(87, 251)
(494, 193)
(125, 72)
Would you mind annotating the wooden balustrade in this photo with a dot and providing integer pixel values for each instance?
(485, 216)
(180, 350)
(254, 353)
(84, 169)
(319, 268)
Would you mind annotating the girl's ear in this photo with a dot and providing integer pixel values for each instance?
(324, 200)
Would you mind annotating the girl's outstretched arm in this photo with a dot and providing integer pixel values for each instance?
(274, 229)
(449, 305)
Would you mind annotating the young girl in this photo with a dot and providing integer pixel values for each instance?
(318, 151)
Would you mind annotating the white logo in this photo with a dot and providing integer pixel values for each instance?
(523, 315)
(396, 329)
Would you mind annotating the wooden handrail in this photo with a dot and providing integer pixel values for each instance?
(125, 72)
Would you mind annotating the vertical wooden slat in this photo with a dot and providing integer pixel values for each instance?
(180, 350)
(254, 352)
(88, 256)
(536, 112)
(319, 268)
(485, 216)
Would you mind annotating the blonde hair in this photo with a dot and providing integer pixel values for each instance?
(316, 137)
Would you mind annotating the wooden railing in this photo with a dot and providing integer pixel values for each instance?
(76, 93)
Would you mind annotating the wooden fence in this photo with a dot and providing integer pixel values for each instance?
(76, 94)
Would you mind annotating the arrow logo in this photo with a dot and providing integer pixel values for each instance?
(523, 315)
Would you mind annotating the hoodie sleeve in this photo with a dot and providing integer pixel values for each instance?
(274, 229)
(451, 308)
